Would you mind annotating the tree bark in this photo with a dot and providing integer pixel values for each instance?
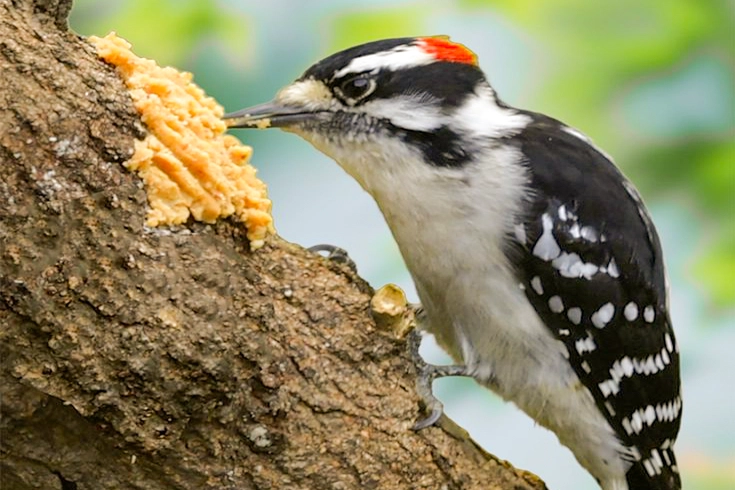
(176, 358)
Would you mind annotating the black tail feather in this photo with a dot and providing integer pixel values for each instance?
(649, 476)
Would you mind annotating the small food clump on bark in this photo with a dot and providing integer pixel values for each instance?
(188, 163)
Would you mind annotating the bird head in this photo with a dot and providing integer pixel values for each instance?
(391, 105)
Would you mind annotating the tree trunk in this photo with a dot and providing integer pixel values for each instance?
(176, 358)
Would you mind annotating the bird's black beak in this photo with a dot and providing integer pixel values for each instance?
(269, 115)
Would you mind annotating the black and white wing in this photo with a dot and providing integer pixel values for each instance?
(592, 267)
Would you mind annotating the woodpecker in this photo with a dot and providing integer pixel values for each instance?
(538, 267)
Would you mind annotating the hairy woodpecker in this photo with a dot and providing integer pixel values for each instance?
(536, 263)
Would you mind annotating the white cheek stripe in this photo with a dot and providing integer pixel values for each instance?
(482, 117)
(414, 113)
(395, 59)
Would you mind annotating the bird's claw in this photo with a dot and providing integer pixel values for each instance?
(435, 409)
(426, 374)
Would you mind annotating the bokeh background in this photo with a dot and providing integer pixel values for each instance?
(651, 82)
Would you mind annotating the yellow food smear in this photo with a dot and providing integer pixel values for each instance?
(189, 165)
(263, 124)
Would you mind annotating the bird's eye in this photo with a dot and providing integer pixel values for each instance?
(355, 89)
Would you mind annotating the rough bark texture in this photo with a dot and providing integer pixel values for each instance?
(152, 359)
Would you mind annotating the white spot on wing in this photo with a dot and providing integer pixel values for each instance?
(602, 317)
(586, 344)
(627, 367)
(555, 304)
(658, 360)
(657, 461)
(609, 387)
(546, 247)
(631, 311)
(665, 356)
(667, 412)
(649, 415)
(571, 265)
(636, 420)
(575, 315)
(669, 343)
(667, 458)
(610, 408)
(589, 234)
(536, 285)
(626, 425)
(648, 314)
(612, 268)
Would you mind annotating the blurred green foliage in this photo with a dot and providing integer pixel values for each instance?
(352, 28)
(167, 30)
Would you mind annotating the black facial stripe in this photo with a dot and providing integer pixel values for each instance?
(448, 83)
(441, 147)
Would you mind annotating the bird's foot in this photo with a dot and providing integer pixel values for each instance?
(426, 374)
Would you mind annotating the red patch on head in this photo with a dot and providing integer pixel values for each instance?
(445, 50)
